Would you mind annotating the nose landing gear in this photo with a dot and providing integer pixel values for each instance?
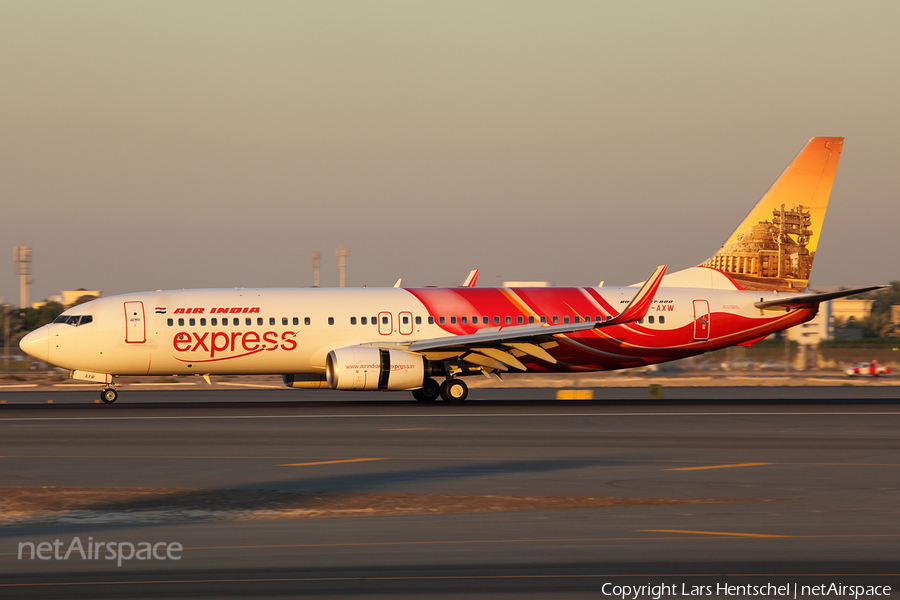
(109, 395)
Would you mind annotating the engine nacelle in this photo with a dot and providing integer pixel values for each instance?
(367, 368)
(305, 381)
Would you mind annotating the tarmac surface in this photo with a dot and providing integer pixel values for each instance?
(283, 493)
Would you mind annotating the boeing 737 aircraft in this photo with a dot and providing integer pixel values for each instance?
(407, 339)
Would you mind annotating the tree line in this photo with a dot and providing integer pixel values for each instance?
(16, 322)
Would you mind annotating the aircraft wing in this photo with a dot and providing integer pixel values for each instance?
(810, 299)
(525, 338)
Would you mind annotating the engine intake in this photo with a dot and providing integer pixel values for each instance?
(366, 368)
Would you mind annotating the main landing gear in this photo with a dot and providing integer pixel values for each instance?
(429, 391)
(109, 395)
(452, 391)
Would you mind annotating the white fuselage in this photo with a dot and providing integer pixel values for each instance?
(280, 331)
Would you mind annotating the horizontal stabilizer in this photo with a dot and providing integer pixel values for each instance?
(810, 299)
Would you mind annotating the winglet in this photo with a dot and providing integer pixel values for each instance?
(641, 302)
(471, 279)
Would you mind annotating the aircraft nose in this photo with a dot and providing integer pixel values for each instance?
(37, 344)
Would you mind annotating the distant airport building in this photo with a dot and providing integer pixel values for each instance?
(68, 297)
(819, 329)
(845, 310)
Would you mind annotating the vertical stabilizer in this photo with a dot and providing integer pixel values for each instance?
(774, 247)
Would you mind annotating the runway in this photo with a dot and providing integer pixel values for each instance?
(507, 496)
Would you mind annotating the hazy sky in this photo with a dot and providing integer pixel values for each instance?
(218, 144)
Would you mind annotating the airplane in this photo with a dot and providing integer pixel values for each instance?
(400, 338)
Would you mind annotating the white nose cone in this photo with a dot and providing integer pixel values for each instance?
(37, 344)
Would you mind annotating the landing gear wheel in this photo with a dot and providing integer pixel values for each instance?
(109, 395)
(429, 391)
(454, 391)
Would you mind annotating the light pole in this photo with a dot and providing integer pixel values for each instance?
(341, 254)
(22, 257)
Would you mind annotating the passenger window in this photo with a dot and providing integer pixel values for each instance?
(555, 319)
(442, 320)
(170, 322)
(650, 319)
(181, 322)
(384, 320)
(587, 318)
(519, 319)
(662, 319)
(363, 321)
(543, 318)
(202, 322)
(566, 319)
(374, 320)
(430, 320)
(248, 321)
(485, 320)
(192, 322)
(306, 321)
(577, 319)
(284, 321)
(640, 321)
(509, 320)
(609, 317)
(453, 320)
(475, 320)
(531, 319)
(405, 320)
(259, 321)
(331, 320)
(464, 320)
(213, 321)
(353, 320)
(496, 320)
(418, 320)
(271, 320)
(296, 320)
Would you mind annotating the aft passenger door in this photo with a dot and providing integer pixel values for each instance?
(701, 320)
(135, 331)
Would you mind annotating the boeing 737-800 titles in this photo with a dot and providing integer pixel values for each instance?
(408, 338)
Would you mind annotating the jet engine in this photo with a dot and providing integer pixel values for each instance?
(367, 368)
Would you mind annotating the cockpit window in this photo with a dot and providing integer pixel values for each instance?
(74, 320)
